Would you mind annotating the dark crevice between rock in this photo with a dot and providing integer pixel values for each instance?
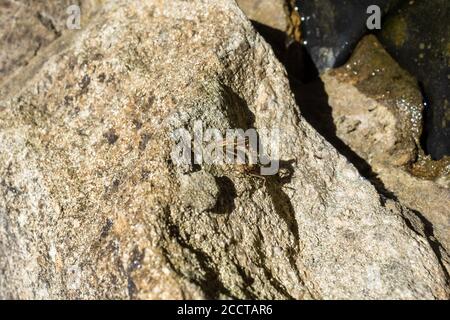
(210, 282)
(290, 53)
(319, 114)
(312, 99)
(310, 94)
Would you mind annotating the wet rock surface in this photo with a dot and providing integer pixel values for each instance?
(91, 206)
(414, 34)
(417, 35)
(380, 114)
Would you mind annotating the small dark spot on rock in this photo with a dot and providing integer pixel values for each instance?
(115, 185)
(227, 194)
(145, 138)
(81, 133)
(101, 77)
(98, 56)
(136, 259)
(84, 63)
(72, 63)
(150, 102)
(84, 83)
(111, 78)
(10, 188)
(145, 174)
(113, 188)
(68, 100)
(111, 136)
(106, 228)
(137, 124)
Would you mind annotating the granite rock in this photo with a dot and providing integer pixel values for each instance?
(376, 105)
(377, 108)
(27, 27)
(92, 206)
(271, 13)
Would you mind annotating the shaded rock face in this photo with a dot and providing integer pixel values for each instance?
(92, 205)
(417, 36)
(331, 29)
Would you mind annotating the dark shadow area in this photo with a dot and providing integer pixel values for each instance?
(311, 97)
(227, 194)
(429, 235)
(237, 110)
(290, 53)
(304, 81)
(210, 281)
(313, 103)
(281, 201)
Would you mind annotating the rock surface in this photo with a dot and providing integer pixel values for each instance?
(279, 24)
(380, 114)
(91, 205)
(268, 12)
(376, 109)
(427, 198)
(26, 27)
(417, 35)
